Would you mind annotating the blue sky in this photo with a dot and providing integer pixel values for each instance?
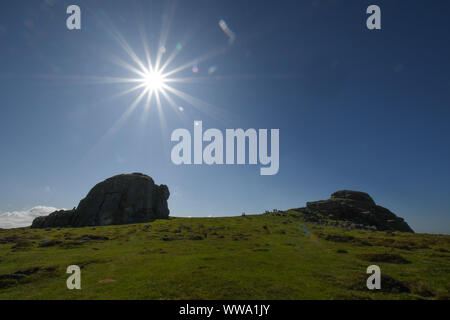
(357, 109)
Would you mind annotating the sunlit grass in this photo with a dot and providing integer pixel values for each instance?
(252, 257)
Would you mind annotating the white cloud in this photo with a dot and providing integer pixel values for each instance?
(18, 219)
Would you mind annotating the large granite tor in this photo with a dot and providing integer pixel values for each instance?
(356, 207)
(122, 199)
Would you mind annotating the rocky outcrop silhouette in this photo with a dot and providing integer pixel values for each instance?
(356, 208)
(122, 199)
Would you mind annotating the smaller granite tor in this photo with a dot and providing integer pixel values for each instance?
(122, 199)
(356, 207)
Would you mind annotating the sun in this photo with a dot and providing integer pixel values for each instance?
(153, 80)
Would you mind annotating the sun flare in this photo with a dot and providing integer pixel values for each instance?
(153, 80)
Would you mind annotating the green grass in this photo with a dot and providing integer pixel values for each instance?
(268, 256)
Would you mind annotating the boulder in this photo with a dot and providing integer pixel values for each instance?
(355, 207)
(353, 195)
(122, 199)
(57, 219)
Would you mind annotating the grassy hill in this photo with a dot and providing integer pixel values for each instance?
(269, 256)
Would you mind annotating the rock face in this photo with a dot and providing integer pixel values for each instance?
(355, 207)
(56, 219)
(122, 199)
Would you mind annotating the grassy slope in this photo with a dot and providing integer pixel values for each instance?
(254, 257)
